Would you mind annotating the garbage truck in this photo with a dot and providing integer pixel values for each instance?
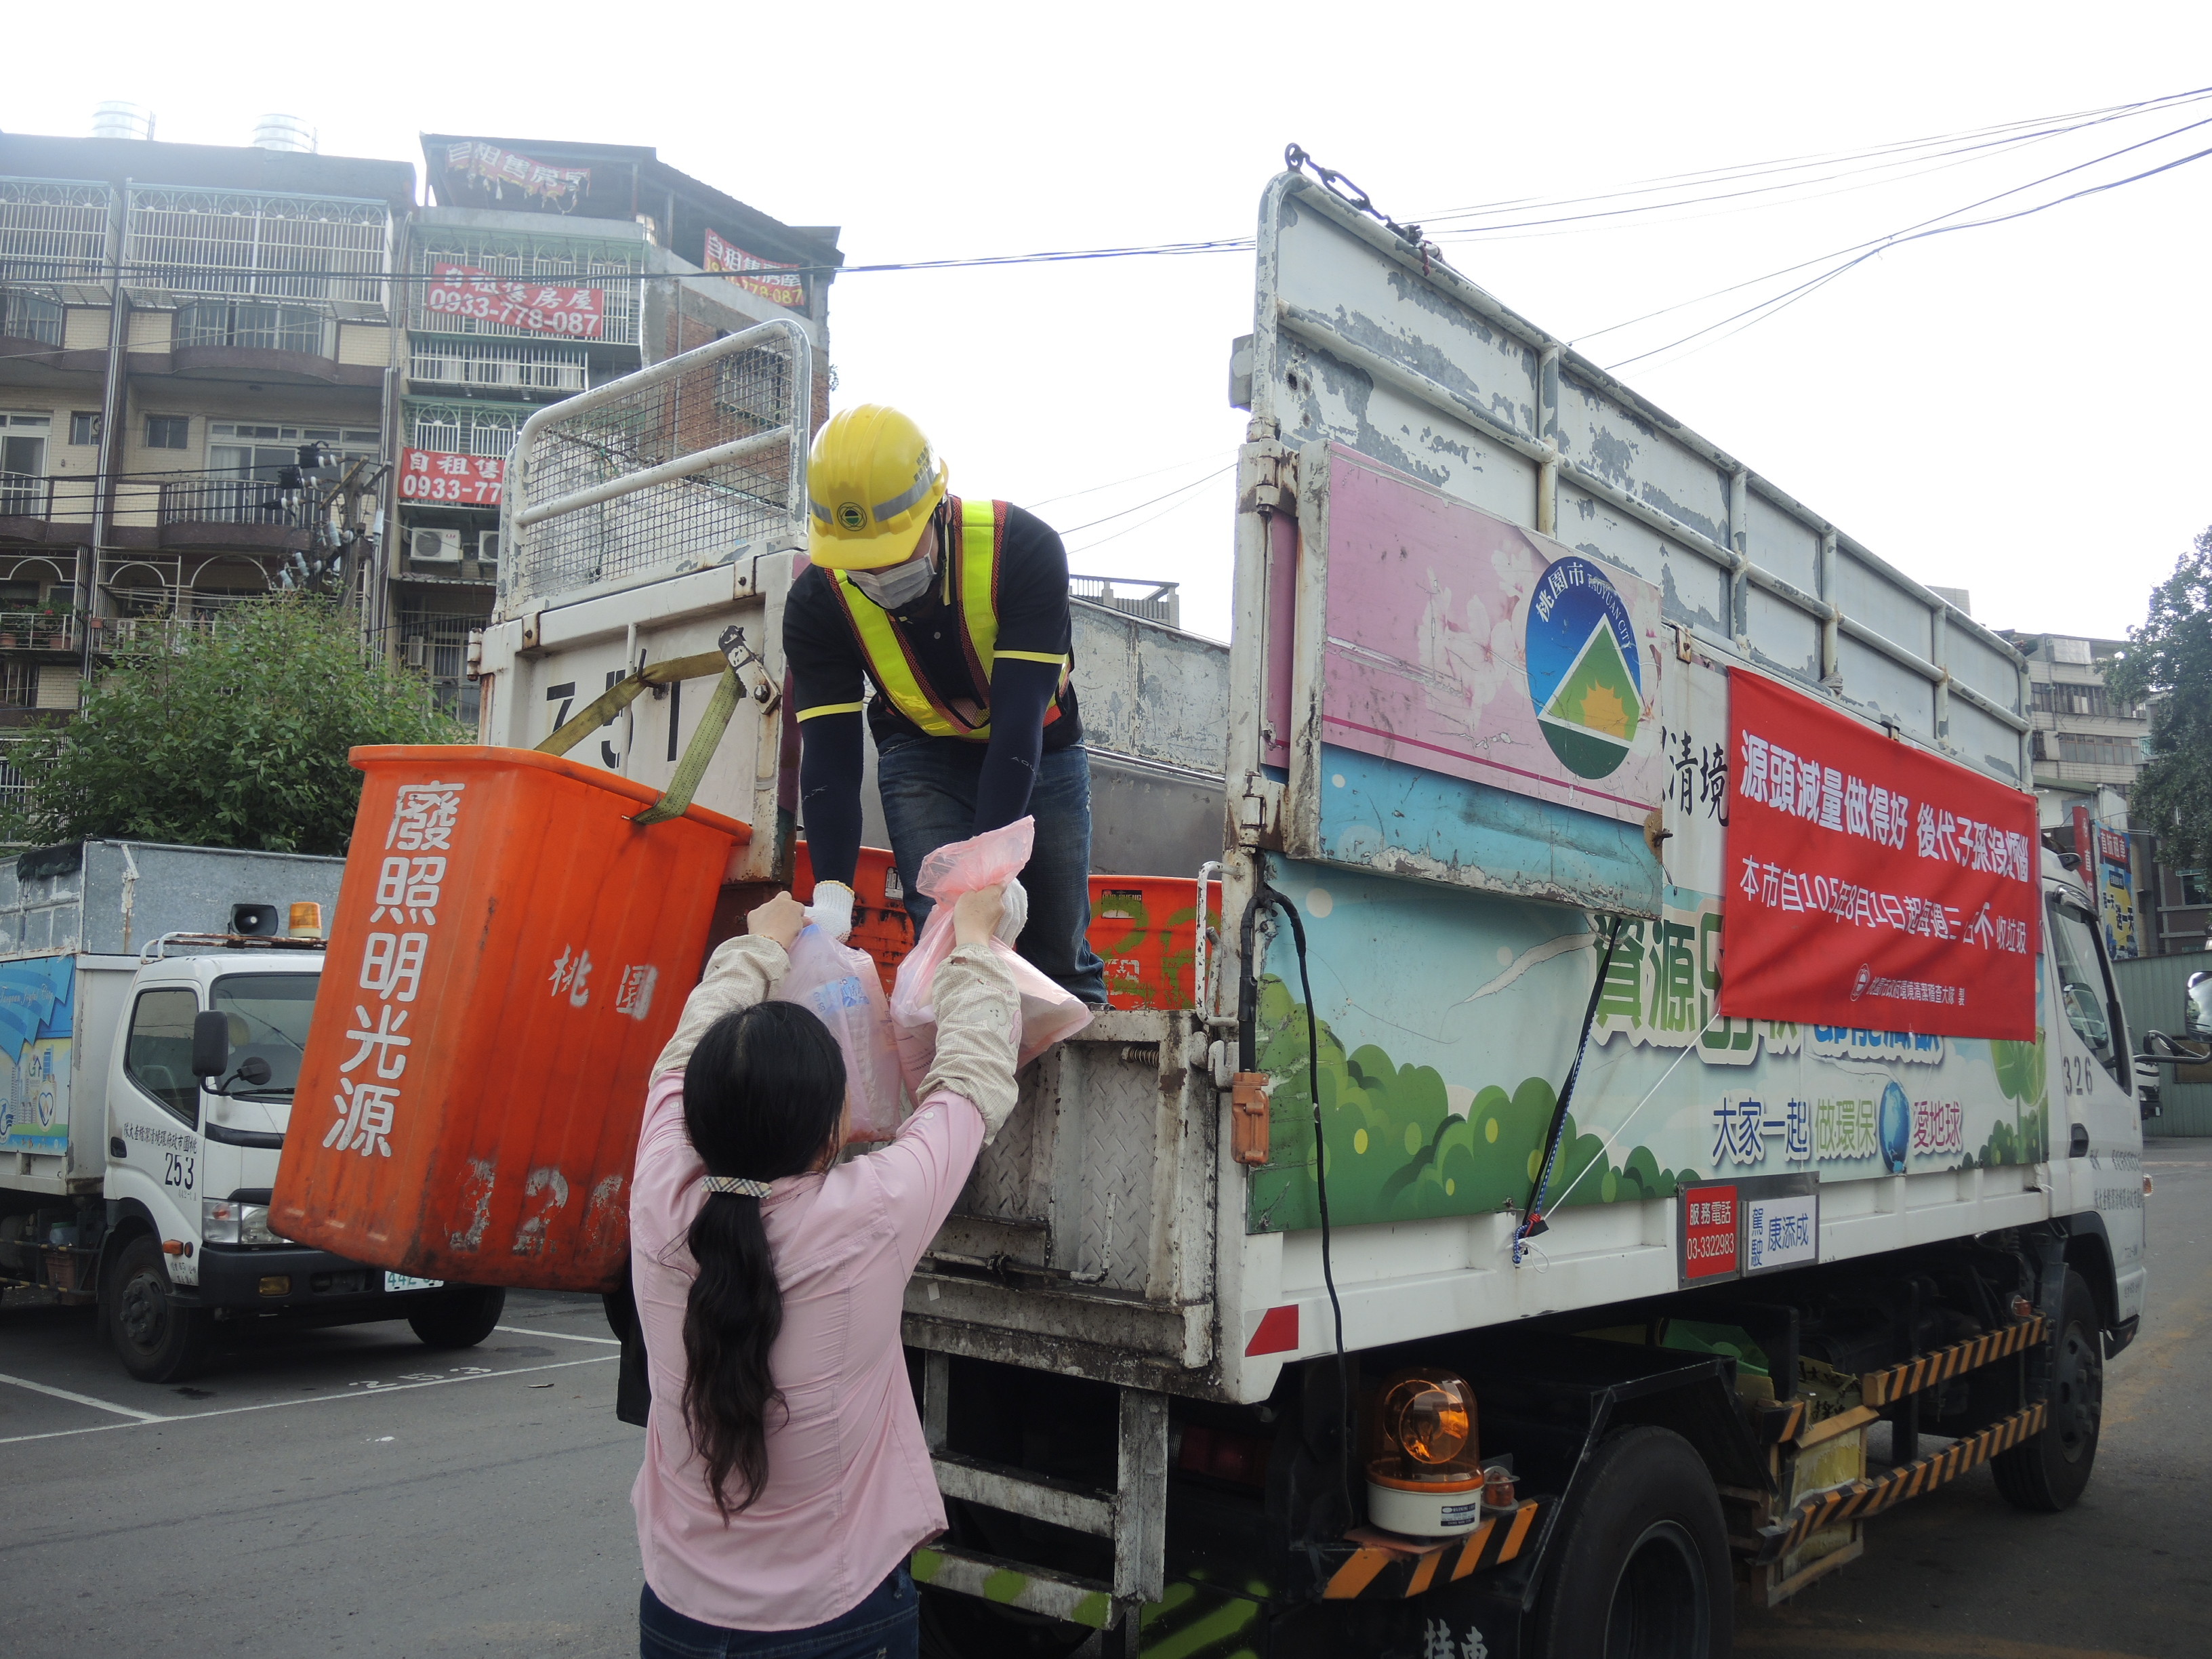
(1651, 1103)
(154, 1002)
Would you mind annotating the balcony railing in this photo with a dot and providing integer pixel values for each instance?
(227, 501)
(37, 630)
(496, 363)
(26, 495)
(1158, 601)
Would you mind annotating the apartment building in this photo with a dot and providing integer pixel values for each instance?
(540, 268)
(2088, 747)
(176, 322)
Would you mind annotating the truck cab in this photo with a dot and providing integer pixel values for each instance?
(146, 1089)
(200, 1098)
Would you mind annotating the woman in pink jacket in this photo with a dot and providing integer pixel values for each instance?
(785, 1480)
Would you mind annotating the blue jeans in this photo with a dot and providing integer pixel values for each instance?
(885, 1625)
(929, 790)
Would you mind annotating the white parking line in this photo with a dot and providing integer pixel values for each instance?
(144, 1418)
(560, 1336)
(82, 1398)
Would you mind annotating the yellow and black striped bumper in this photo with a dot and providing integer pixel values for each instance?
(1861, 1499)
(1383, 1566)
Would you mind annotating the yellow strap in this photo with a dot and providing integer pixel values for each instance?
(1057, 659)
(831, 708)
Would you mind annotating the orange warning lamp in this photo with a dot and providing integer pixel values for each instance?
(1426, 1480)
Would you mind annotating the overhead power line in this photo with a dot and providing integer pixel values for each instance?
(1858, 253)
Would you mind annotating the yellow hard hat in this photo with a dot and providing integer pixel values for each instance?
(872, 482)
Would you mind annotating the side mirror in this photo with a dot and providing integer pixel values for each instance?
(210, 1045)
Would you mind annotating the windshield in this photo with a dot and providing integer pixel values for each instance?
(268, 1015)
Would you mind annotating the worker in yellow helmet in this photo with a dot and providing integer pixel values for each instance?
(955, 611)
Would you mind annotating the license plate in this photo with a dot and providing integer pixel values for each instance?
(403, 1282)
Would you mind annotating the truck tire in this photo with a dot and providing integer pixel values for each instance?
(459, 1317)
(159, 1338)
(2048, 1473)
(1640, 1568)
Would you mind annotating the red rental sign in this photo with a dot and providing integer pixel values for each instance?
(427, 475)
(575, 314)
(1870, 883)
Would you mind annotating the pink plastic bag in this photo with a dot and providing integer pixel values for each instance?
(1049, 1012)
(841, 986)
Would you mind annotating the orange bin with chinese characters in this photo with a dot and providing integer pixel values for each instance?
(509, 954)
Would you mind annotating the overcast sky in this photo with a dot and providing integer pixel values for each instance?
(2021, 410)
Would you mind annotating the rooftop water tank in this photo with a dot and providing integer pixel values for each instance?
(287, 132)
(121, 118)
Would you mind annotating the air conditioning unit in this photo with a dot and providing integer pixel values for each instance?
(488, 547)
(418, 651)
(434, 546)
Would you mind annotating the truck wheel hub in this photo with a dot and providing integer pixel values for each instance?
(145, 1311)
(2077, 1393)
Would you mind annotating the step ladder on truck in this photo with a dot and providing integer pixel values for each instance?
(1455, 1255)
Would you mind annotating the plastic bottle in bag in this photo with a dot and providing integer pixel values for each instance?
(840, 986)
(1050, 1010)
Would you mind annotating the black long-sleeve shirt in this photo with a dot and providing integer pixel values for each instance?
(827, 668)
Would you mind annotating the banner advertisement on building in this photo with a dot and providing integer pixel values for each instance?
(425, 475)
(767, 278)
(2108, 871)
(1869, 883)
(542, 307)
(498, 167)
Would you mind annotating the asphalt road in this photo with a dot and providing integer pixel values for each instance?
(349, 1492)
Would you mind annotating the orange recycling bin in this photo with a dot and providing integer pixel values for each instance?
(1145, 928)
(509, 955)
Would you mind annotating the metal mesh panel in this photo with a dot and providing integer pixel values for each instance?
(752, 386)
(292, 247)
(52, 232)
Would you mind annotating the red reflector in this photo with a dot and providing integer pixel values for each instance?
(1278, 1331)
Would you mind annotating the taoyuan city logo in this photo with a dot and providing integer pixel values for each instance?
(1582, 672)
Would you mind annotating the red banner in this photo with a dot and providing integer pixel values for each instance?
(425, 475)
(768, 279)
(577, 314)
(1870, 883)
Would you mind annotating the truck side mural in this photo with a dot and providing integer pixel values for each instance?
(37, 1003)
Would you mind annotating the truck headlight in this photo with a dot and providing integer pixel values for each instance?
(219, 1219)
(227, 1221)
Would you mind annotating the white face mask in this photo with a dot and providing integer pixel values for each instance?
(897, 588)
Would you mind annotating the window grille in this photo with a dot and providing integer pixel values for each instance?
(53, 231)
(292, 247)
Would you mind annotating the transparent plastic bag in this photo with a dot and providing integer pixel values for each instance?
(1049, 1012)
(840, 986)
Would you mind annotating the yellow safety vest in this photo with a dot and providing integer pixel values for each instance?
(891, 665)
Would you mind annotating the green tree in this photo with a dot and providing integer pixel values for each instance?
(233, 736)
(2168, 664)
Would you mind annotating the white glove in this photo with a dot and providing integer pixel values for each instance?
(1016, 916)
(832, 909)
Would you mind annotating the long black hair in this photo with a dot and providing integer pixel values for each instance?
(762, 1097)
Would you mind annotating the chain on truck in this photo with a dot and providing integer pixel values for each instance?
(153, 1005)
(1444, 1270)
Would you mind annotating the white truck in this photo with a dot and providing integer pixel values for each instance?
(1611, 1306)
(154, 1001)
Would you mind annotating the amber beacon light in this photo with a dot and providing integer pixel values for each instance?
(1426, 1479)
